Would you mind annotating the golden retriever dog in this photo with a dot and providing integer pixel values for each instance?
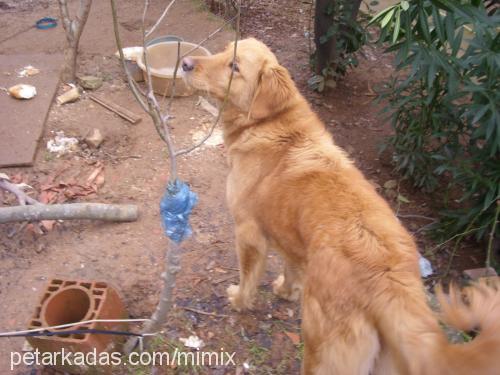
(347, 257)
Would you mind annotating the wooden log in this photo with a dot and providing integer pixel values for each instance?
(70, 211)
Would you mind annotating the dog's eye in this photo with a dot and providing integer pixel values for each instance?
(234, 66)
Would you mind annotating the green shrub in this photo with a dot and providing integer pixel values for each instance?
(444, 106)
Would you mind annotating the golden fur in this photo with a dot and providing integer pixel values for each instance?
(290, 188)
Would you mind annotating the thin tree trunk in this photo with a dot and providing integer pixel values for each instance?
(73, 28)
(327, 52)
(68, 73)
(322, 22)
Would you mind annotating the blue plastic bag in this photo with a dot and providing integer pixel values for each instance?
(175, 208)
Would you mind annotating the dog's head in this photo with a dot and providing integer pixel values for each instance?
(260, 88)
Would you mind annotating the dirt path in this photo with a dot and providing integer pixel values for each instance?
(135, 171)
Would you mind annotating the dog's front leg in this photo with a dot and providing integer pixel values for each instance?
(251, 247)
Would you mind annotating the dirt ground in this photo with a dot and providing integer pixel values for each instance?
(135, 169)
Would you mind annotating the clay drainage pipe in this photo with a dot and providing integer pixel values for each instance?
(69, 305)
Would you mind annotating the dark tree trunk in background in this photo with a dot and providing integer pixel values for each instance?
(325, 52)
(322, 23)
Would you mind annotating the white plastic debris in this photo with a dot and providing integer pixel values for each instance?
(28, 71)
(192, 342)
(61, 144)
(425, 267)
(215, 139)
(130, 53)
(22, 91)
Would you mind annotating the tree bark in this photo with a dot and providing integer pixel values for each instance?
(73, 29)
(68, 73)
(70, 211)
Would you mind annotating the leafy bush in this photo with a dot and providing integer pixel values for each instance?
(444, 106)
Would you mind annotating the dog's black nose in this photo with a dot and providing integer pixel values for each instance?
(187, 64)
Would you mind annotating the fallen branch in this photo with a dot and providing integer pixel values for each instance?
(204, 312)
(70, 211)
(21, 196)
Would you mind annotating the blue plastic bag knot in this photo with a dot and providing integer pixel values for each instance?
(175, 208)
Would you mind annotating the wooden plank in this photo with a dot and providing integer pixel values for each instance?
(118, 109)
(22, 121)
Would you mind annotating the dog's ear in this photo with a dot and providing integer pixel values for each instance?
(274, 91)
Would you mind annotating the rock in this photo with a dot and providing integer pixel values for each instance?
(94, 138)
(414, 226)
(330, 83)
(391, 194)
(22, 91)
(350, 150)
(476, 273)
(390, 184)
(69, 96)
(90, 82)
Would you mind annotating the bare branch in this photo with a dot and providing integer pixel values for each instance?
(212, 34)
(63, 9)
(131, 82)
(226, 97)
(21, 196)
(160, 121)
(160, 19)
(204, 312)
(81, 18)
(69, 211)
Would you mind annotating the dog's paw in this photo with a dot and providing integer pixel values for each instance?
(282, 290)
(238, 302)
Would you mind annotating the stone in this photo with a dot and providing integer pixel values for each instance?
(90, 82)
(476, 273)
(94, 138)
(390, 184)
(391, 194)
(350, 150)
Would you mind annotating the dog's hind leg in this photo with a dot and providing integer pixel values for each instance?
(349, 347)
(289, 284)
(251, 247)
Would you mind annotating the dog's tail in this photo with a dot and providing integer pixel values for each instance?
(475, 308)
(417, 341)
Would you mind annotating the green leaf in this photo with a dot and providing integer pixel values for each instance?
(403, 199)
(441, 4)
(381, 14)
(397, 27)
(438, 24)
(405, 5)
(455, 46)
(387, 18)
(424, 26)
(480, 114)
